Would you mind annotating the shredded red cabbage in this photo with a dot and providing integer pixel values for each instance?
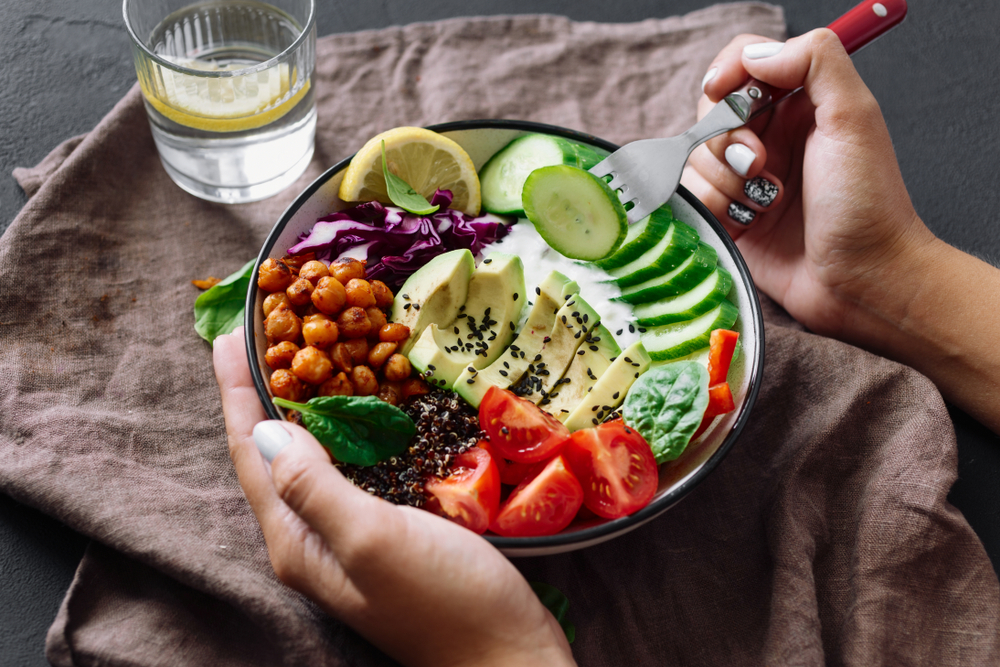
(397, 243)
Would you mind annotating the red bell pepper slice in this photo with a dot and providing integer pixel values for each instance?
(721, 346)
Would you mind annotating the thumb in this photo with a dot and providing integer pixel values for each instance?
(306, 481)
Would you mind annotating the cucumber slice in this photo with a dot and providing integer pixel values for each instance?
(691, 272)
(677, 340)
(502, 178)
(576, 212)
(704, 297)
(677, 244)
(641, 236)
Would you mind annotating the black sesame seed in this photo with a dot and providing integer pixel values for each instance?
(619, 332)
(516, 295)
(593, 348)
(538, 290)
(487, 260)
(416, 306)
(406, 306)
(631, 329)
(616, 395)
(503, 372)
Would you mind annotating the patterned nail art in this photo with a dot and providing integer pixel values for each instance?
(761, 191)
(741, 213)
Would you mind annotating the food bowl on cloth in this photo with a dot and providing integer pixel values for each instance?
(481, 139)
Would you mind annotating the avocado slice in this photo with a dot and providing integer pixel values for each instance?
(610, 389)
(573, 322)
(433, 294)
(483, 327)
(592, 359)
(528, 342)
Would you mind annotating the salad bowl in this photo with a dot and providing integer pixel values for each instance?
(481, 139)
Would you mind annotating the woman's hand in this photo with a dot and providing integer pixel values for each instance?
(419, 587)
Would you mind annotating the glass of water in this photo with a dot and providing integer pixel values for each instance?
(228, 91)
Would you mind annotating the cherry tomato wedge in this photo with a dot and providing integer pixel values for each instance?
(500, 461)
(470, 496)
(615, 467)
(542, 504)
(514, 473)
(519, 430)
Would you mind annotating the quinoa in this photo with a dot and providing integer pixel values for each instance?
(446, 427)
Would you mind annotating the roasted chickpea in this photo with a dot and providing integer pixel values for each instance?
(383, 295)
(341, 357)
(354, 323)
(414, 387)
(272, 301)
(397, 368)
(347, 268)
(363, 379)
(319, 331)
(282, 324)
(393, 332)
(377, 318)
(285, 384)
(338, 385)
(329, 295)
(390, 393)
(359, 293)
(299, 292)
(312, 365)
(281, 355)
(313, 271)
(358, 349)
(378, 354)
(274, 276)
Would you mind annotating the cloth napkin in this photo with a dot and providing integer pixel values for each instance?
(825, 537)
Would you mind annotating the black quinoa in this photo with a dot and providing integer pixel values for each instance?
(446, 427)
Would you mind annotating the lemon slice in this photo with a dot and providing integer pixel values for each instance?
(424, 159)
(229, 104)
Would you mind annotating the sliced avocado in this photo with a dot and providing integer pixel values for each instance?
(592, 359)
(511, 364)
(609, 391)
(433, 294)
(484, 326)
(573, 322)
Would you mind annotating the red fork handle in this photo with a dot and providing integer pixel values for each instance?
(868, 21)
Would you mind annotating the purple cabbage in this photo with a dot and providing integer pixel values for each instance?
(397, 243)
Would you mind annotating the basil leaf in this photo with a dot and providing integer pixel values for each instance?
(219, 309)
(401, 194)
(557, 603)
(666, 405)
(362, 430)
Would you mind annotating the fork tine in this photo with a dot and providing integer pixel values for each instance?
(638, 212)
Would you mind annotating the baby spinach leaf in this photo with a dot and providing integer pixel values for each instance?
(402, 194)
(554, 600)
(666, 405)
(362, 430)
(219, 309)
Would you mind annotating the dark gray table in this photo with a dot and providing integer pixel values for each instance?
(937, 77)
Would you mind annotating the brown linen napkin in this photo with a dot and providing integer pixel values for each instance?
(825, 536)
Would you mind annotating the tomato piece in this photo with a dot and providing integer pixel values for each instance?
(721, 346)
(470, 496)
(500, 461)
(542, 504)
(616, 469)
(519, 430)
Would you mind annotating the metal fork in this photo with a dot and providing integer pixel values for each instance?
(647, 172)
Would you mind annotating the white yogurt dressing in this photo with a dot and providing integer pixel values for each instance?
(540, 259)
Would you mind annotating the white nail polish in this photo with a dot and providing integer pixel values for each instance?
(740, 157)
(762, 50)
(270, 438)
(709, 75)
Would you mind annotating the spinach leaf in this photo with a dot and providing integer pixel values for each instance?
(666, 405)
(557, 603)
(219, 309)
(362, 430)
(402, 194)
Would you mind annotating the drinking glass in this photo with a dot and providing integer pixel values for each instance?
(228, 91)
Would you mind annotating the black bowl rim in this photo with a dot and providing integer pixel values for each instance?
(610, 528)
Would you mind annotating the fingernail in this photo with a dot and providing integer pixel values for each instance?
(270, 438)
(740, 157)
(709, 75)
(760, 191)
(762, 50)
(741, 213)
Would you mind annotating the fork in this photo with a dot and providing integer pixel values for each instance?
(646, 173)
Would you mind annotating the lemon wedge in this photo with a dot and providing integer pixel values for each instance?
(229, 104)
(424, 159)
